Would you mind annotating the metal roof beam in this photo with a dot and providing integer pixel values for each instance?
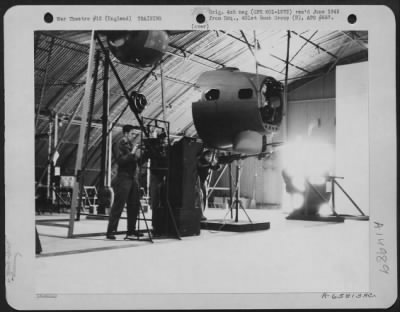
(238, 39)
(299, 50)
(193, 54)
(66, 41)
(173, 79)
(359, 42)
(314, 44)
(60, 95)
(290, 63)
(250, 46)
(186, 59)
(270, 68)
(75, 122)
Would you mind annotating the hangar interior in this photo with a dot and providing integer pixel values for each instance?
(262, 227)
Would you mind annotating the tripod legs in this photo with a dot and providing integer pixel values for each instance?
(145, 222)
(237, 203)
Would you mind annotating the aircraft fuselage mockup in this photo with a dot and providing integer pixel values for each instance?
(237, 109)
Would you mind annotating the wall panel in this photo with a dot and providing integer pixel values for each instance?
(352, 147)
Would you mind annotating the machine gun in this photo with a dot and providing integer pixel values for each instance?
(227, 159)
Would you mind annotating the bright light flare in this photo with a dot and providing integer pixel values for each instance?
(307, 159)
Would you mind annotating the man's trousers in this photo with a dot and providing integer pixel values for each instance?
(126, 191)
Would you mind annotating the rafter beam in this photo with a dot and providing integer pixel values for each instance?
(194, 54)
(314, 44)
(252, 46)
(85, 47)
(237, 38)
(290, 63)
(96, 123)
(359, 42)
(301, 48)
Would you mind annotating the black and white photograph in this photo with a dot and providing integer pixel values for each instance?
(206, 160)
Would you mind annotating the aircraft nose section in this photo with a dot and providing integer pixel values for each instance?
(237, 109)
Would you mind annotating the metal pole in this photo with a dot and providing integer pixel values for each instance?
(257, 77)
(109, 161)
(55, 131)
(285, 93)
(89, 128)
(348, 196)
(55, 142)
(148, 180)
(230, 188)
(82, 132)
(162, 91)
(333, 197)
(50, 148)
(237, 190)
(105, 121)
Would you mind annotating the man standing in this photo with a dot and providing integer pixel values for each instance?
(125, 185)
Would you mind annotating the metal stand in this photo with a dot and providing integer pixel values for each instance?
(147, 227)
(363, 217)
(237, 203)
(314, 217)
(211, 189)
(335, 217)
(236, 226)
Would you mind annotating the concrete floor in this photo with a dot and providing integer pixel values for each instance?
(292, 256)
